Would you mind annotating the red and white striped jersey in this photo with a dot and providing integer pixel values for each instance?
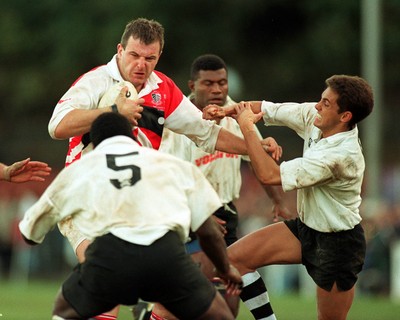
(165, 106)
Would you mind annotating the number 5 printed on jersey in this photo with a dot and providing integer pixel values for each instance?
(119, 162)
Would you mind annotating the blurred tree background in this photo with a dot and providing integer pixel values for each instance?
(281, 50)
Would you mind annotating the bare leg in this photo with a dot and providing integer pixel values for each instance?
(162, 312)
(273, 244)
(334, 304)
(269, 245)
(218, 310)
(63, 309)
(207, 268)
(80, 253)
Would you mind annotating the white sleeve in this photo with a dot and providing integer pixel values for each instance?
(203, 199)
(296, 116)
(84, 94)
(39, 219)
(52, 207)
(68, 230)
(177, 145)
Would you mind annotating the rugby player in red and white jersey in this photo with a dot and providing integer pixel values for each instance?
(161, 103)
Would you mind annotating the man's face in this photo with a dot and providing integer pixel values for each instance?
(137, 61)
(329, 120)
(211, 87)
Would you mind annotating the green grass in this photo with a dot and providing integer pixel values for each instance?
(34, 301)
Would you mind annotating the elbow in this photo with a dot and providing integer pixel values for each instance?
(54, 131)
(269, 178)
(59, 133)
(208, 231)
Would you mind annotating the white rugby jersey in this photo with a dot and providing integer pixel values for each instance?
(221, 169)
(136, 193)
(328, 176)
(165, 105)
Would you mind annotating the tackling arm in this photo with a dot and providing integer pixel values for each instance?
(213, 244)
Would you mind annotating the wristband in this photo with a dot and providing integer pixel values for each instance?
(114, 108)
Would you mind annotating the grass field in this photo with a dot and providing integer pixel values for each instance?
(33, 301)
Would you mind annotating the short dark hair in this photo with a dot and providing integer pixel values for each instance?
(206, 62)
(108, 125)
(355, 95)
(147, 31)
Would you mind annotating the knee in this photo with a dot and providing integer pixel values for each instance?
(239, 263)
(63, 310)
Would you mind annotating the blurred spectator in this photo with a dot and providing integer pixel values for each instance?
(382, 230)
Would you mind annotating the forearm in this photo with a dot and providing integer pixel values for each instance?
(230, 110)
(265, 168)
(274, 193)
(213, 244)
(256, 106)
(215, 249)
(230, 143)
(77, 122)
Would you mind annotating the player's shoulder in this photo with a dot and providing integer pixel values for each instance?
(162, 78)
(96, 78)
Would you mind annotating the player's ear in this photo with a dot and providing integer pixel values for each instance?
(191, 85)
(346, 116)
(120, 48)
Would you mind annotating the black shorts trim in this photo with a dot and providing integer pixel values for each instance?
(331, 257)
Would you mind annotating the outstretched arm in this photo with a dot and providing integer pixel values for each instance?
(230, 143)
(215, 112)
(24, 170)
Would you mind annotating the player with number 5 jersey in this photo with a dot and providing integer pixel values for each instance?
(137, 206)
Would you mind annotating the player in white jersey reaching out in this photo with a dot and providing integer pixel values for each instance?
(327, 237)
(125, 209)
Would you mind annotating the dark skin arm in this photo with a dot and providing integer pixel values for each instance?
(213, 245)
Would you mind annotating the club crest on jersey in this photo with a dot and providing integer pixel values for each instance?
(156, 98)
